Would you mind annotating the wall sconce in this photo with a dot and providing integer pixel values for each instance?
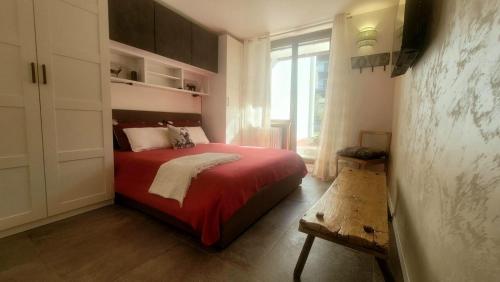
(367, 37)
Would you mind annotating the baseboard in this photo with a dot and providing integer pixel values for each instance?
(31, 225)
(399, 246)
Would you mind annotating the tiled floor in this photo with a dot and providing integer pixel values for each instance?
(117, 243)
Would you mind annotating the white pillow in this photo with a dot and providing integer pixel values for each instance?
(197, 135)
(147, 138)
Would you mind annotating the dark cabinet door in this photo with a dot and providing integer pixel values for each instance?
(172, 35)
(132, 22)
(205, 49)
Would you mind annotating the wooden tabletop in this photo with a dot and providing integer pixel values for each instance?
(352, 212)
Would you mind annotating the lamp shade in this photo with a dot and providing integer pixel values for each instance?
(367, 37)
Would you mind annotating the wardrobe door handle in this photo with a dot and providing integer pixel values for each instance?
(44, 74)
(33, 73)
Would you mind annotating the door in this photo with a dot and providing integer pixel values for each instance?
(72, 46)
(132, 22)
(298, 84)
(22, 187)
(172, 35)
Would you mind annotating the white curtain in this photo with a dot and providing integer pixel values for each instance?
(336, 130)
(255, 99)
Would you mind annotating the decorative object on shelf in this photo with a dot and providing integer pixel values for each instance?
(190, 87)
(133, 76)
(367, 36)
(370, 61)
(115, 71)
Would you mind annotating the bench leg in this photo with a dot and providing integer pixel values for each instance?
(303, 257)
(384, 267)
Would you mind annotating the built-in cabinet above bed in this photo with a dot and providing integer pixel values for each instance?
(150, 26)
(137, 67)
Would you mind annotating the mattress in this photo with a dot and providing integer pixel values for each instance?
(216, 194)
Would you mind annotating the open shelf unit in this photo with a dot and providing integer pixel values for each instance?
(142, 84)
(156, 71)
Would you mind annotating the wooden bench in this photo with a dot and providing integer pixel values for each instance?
(353, 213)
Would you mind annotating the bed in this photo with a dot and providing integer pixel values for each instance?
(221, 202)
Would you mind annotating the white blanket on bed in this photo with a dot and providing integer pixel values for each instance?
(173, 178)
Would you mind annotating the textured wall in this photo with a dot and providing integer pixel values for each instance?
(445, 171)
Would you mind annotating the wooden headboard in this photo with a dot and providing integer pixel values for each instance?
(138, 116)
(125, 116)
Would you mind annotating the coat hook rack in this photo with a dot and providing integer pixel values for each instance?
(370, 61)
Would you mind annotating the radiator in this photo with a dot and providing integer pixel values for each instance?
(277, 138)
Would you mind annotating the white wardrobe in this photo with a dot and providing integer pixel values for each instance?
(55, 116)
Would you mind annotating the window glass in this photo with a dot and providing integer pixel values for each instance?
(281, 75)
(312, 73)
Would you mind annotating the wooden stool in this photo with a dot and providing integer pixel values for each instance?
(353, 213)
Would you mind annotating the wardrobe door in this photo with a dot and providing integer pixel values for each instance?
(72, 46)
(172, 35)
(204, 48)
(132, 22)
(22, 187)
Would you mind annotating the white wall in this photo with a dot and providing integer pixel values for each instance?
(129, 97)
(372, 91)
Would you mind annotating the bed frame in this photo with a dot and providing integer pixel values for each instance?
(263, 201)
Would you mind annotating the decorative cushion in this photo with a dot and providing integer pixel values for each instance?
(197, 135)
(147, 138)
(179, 137)
(363, 153)
(120, 136)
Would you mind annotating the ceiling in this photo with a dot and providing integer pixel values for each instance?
(248, 18)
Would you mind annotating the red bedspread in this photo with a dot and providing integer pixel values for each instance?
(217, 193)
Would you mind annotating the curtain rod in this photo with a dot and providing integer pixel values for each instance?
(295, 29)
